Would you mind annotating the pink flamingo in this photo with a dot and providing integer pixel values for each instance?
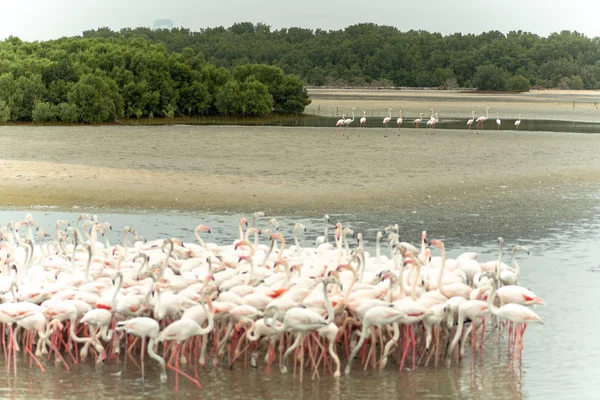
(363, 120)
(145, 327)
(482, 119)
(387, 119)
(399, 122)
(417, 121)
(515, 313)
(518, 122)
(340, 122)
(470, 122)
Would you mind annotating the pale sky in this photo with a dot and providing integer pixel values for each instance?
(50, 19)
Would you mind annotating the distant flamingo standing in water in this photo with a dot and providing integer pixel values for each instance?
(417, 121)
(470, 122)
(340, 122)
(434, 120)
(348, 121)
(498, 121)
(482, 119)
(387, 120)
(518, 122)
(399, 122)
(363, 120)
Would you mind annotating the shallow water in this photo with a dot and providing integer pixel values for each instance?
(559, 359)
(536, 125)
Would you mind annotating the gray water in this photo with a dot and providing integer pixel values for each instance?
(446, 122)
(559, 359)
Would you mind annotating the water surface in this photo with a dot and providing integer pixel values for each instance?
(559, 359)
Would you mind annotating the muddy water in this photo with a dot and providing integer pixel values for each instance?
(559, 359)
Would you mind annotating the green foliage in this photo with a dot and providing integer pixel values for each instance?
(67, 112)
(249, 98)
(4, 111)
(518, 84)
(490, 77)
(45, 112)
(367, 53)
(288, 93)
(97, 99)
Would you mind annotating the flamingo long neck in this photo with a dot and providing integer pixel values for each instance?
(390, 113)
(415, 269)
(354, 279)
(500, 245)
(282, 248)
(443, 261)
(197, 235)
(94, 238)
(211, 321)
(393, 284)
(329, 306)
(401, 279)
(156, 357)
(326, 236)
(514, 262)
(264, 264)
(113, 302)
(241, 231)
(490, 301)
(378, 246)
(361, 263)
(251, 272)
(168, 243)
(345, 239)
(88, 264)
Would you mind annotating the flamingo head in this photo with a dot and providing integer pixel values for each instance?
(203, 228)
(243, 221)
(242, 243)
(276, 236)
(437, 243)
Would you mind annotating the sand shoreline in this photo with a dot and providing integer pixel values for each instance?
(306, 171)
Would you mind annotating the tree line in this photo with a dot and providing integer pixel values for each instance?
(94, 79)
(372, 55)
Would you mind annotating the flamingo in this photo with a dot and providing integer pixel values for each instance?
(417, 121)
(515, 313)
(145, 327)
(498, 121)
(518, 122)
(363, 120)
(399, 122)
(482, 119)
(348, 121)
(470, 122)
(340, 122)
(387, 119)
(434, 123)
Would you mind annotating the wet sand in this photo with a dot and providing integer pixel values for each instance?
(306, 171)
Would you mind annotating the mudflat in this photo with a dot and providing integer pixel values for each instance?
(306, 171)
(287, 170)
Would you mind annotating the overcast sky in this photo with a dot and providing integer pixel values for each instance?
(50, 19)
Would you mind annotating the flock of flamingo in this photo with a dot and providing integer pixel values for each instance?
(74, 295)
(431, 123)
